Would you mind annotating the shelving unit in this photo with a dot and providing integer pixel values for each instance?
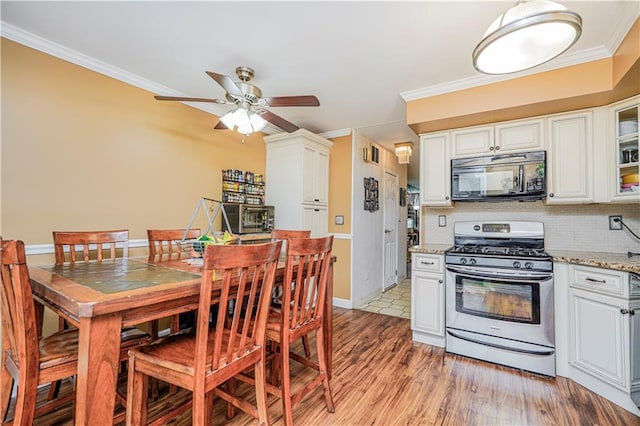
(242, 187)
(627, 148)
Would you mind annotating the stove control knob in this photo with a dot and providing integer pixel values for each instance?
(516, 264)
(528, 265)
(463, 261)
(472, 261)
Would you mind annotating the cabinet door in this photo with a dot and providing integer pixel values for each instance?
(569, 158)
(315, 169)
(634, 320)
(427, 303)
(316, 219)
(519, 136)
(435, 170)
(600, 337)
(474, 141)
(625, 161)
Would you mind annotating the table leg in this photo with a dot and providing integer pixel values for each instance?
(328, 321)
(98, 359)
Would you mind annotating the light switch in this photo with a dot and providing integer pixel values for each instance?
(442, 221)
(339, 220)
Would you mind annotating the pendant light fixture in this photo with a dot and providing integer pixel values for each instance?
(528, 34)
(403, 151)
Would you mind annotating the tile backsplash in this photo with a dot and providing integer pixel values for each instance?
(571, 227)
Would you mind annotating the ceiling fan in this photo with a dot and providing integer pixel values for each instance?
(250, 114)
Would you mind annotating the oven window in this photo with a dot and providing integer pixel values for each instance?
(513, 301)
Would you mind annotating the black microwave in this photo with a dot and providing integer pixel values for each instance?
(505, 177)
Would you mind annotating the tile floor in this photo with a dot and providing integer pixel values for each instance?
(395, 302)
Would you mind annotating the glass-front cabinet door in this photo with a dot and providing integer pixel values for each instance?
(626, 150)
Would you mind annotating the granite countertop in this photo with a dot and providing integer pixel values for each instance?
(430, 248)
(619, 261)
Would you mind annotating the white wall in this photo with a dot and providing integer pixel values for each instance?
(368, 227)
(574, 227)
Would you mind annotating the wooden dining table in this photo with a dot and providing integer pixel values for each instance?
(102, 297)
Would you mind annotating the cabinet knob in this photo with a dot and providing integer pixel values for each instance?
(491, 148)
(632, 312)
(551, 195)
(446, 198)
(624, 311)
(497, 148)
(440, 281)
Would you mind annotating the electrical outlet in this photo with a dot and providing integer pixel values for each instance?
(615, 223)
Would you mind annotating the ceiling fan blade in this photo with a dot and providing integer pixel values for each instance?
(275, 119)
(221, 126)
(282, 101)
(185, 99)
(226, 83)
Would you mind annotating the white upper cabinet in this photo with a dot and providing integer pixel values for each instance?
(435, 170)
(315, 180)
(625, 185)
(517, 136)
(569, 159)
(297, 169)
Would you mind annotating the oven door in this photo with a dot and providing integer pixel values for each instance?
(510, 305)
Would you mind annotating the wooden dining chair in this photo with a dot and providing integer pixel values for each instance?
(286, 235)
(202, 361)
(164, 245)
(27, 358)
(308, 262)
(83, 246)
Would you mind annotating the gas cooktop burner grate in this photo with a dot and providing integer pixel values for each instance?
(499, 251)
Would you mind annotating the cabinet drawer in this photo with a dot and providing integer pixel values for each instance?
(428, 262)
(601, 280)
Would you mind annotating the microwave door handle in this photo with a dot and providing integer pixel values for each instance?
(521, 179)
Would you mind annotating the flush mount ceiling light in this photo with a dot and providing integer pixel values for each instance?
(528, 34)
(403, 151)
(244, 120)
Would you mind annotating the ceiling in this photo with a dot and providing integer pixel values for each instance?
(362, 60)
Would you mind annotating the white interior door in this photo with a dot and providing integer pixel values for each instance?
(390, 230)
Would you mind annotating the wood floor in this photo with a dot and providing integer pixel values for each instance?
(381, 377)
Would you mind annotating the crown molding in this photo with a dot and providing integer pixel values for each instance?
(483, 79)
(336, 133)
(59, 51)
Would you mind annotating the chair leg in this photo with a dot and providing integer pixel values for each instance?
(6, 386)
(285, 379)
(322, 365)
(231, 388)
(137, 390)
(305, 345)
(25, 408)
(199, 408)
(208, 407)
(261, 391)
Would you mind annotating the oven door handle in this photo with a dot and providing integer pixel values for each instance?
(546, 351)
(518, 276)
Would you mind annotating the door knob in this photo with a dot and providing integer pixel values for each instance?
(386, 231)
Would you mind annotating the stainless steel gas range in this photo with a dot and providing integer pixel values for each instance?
(499, 295)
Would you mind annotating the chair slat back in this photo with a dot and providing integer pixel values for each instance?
(246, 274)
(307, 265)
(19, 328)
(91, 242)
(165, 241)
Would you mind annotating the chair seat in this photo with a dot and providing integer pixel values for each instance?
(62, 346)
(176, 351)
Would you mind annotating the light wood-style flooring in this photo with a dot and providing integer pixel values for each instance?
(381, 377)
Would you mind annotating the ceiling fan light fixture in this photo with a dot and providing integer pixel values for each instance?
(527, 35)
(244, 121)
(403, 151)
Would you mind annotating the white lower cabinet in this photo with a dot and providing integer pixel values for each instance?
(600, 333)
(603, 332)
(316, 219)
(427, 298)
